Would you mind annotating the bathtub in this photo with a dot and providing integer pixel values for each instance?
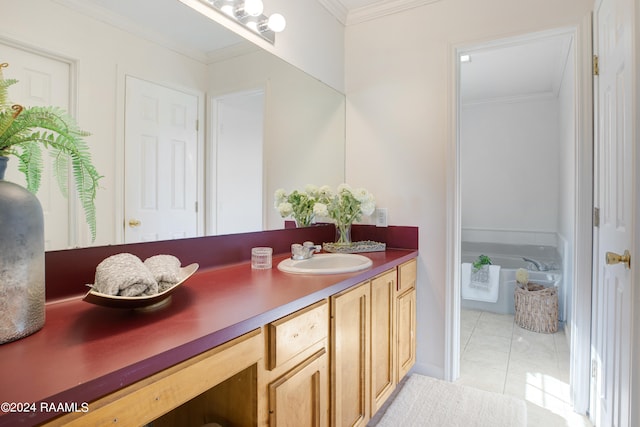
(509, 258)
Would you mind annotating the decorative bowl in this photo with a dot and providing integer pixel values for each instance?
(144, 302)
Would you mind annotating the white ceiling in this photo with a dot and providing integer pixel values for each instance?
(522, 69)
(516, 69)
(169, 22)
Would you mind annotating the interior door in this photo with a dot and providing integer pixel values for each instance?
(239, 123)
(161, 158)
(612, 309)
(42, 80)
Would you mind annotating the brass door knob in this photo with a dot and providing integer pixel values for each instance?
(134, 223)
(614, 258)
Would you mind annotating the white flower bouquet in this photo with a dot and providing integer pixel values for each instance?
(345, 207)
(303, 206)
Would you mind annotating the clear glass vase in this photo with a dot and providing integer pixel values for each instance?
(343, 234)
(303, 221)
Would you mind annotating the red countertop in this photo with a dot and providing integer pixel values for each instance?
(87, 351)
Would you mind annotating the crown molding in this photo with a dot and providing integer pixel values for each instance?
(383, 8)
(367, 13)
(337, 9)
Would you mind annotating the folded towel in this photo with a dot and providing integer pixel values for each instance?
(126, 275)
(480, 290)
(165, 269)
(480, 278)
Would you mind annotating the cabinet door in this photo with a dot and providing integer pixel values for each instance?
(300, 398)
(350, 313)
(383, 350)
(407, 274)
(406, 332)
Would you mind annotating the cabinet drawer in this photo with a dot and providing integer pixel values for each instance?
(407, 276)
(294, 333)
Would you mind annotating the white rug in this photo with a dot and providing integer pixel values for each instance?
(428, 402)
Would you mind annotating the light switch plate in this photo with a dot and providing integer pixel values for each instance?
(381, 217)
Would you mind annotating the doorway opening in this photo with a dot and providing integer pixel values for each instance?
(238, 139)
(518, 195)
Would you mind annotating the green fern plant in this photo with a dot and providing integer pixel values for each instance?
(24, 132)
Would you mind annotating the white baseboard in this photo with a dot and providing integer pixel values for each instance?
(428, 370)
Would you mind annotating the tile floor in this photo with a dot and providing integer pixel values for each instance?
(499, 356)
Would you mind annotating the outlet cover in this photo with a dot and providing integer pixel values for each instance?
(381, 217)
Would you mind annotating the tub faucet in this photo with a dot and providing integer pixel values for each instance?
(303, 251)
(539, 265)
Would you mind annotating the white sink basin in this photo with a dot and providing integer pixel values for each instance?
(326, 264)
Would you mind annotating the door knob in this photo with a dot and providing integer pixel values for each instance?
(134, 223)
(614, 258)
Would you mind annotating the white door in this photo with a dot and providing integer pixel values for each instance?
(612, 309)
(42, 81)
(161, 158)
(238, 123)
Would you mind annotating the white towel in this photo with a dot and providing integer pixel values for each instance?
(165, 269)
(480, 292)
(124, 274)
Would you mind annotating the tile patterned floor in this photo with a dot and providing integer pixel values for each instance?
(499, 356)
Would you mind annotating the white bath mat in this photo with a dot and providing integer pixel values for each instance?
(428, 402)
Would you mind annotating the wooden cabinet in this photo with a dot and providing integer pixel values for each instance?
(406, 318)
(298, 398)
(297, 368)
(363, 352)
(383, 327)
(350, 315)
(334, 363)
(372, 344)
(186, 392)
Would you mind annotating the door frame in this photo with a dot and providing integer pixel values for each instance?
(78, 234)
(582, 260)
(211, 197)
(213, 184)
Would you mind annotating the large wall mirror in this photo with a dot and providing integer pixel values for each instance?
(127, 69)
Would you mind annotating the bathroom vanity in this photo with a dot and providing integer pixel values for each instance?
(236, 346)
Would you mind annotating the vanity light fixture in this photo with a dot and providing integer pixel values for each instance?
(465, 58)
(249, 13)
(253, 7)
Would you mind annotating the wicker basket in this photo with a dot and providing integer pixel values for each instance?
(537, 308)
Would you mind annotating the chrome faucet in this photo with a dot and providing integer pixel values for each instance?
(539, 265)
(304, 251)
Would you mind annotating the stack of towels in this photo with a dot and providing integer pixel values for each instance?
(486, 289)
(126, 275)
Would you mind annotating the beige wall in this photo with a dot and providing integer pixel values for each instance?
(399, 84)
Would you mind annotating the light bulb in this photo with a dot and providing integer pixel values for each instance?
(277, 23)
(252, 25)
(253, 7)
(227, 9)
